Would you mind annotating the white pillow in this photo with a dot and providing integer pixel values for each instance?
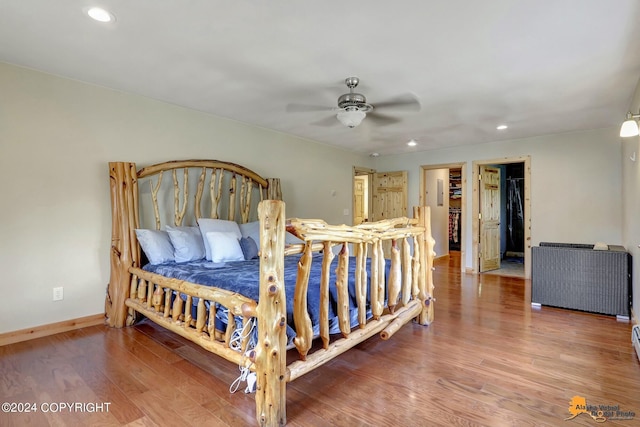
(208, 225)
(156, 245)
(225, 246)
(187, 242)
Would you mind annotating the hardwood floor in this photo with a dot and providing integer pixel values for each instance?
(488, 359)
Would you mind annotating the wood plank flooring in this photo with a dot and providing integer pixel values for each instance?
(489, 359)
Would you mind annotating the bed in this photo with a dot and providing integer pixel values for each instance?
(301, 285)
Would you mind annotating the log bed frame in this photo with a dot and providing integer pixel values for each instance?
(131, 290)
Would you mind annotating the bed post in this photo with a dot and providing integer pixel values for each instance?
(124, 251)
(273, 189)
(427, 243)
(271, 353)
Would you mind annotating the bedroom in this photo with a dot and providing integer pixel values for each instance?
(58, 134)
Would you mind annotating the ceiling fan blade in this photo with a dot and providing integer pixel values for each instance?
(407, 102)
(304, 108)
(382, 119)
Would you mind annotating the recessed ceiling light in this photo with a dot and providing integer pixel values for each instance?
(412, 143)
(501, 127)
(100, 15)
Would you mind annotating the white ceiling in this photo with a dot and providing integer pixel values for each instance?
(540, 66)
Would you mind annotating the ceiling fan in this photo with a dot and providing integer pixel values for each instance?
(353, 107)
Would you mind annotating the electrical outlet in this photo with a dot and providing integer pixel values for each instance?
(58, 293)
(345, 212)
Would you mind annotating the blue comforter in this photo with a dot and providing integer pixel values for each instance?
(243, 277)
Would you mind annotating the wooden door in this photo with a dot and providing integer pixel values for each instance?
(389, 195)
(389, 199)
(489, 218)
(358, 201)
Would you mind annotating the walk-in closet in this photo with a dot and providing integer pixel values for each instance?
(455, 213)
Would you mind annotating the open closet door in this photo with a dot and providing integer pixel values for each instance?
(489, 218)
(389, 195)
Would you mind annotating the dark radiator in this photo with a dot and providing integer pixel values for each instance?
(577, 277)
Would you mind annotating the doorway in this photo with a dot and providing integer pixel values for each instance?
(442, 188)
(501, 217)
(360, 199)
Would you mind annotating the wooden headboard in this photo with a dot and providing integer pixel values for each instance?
(202, 189)
(175, 193)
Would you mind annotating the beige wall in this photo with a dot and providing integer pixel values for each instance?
(576, 183)
(56, 138)
(631, 201)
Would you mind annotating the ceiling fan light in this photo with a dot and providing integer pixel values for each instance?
(100, 15)
(629, 128)
(351, 118)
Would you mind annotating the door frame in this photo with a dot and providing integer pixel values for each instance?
(463, 209)
(475, 222)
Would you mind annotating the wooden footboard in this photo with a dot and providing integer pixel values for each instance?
(407, 280)
(190, 311)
